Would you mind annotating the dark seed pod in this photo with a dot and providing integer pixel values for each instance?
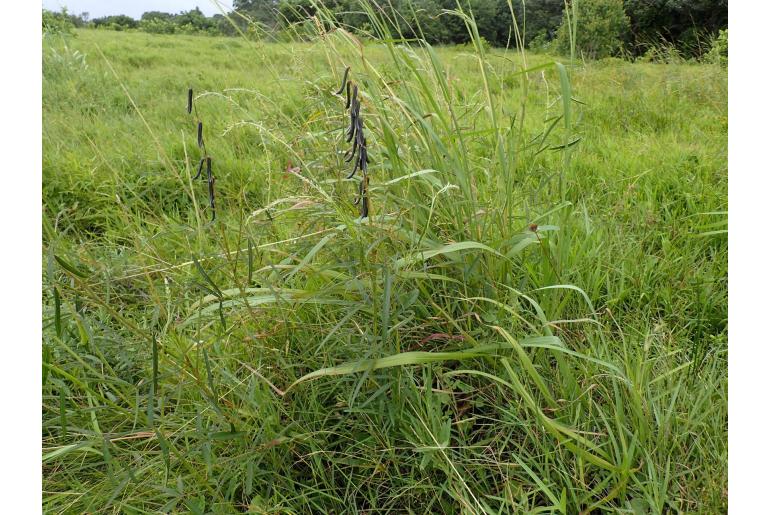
(200, 168)
(364, 198)
(347, 97)
(363, 159)
(357, 106)
(189, 100)
(344, 81)
(356, 166)
(360, 140)
(200, 134)
(350, 154)
(360, 195)
(352, 128)
(211, 188)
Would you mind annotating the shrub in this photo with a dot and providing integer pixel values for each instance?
(485, 45)
(663, 53)
(119, 22)
(601, 26)
(157, 26)
(718, 52)
(679, 22)
(541, 43)
(57, 23)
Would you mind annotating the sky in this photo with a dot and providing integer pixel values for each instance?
(135, 8)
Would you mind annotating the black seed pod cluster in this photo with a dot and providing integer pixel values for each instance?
(355, 134)
(206, 159)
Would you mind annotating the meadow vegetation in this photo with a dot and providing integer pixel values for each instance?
(532, 318)
(632, 28)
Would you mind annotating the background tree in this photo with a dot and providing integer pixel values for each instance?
(262, 11)
(688, 24)
(118, 22)
(432, 25)
(601, 27)
(156, 15)
(541, 18)
(157, 22)
(193, 21)
(57, 23)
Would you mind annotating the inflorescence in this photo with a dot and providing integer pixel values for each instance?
(355, 133)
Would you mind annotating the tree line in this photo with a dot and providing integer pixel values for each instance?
(606, 27)
(186, 22)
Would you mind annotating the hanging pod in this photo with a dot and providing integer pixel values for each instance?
(358, 152)
(211, 180)
(344, 81)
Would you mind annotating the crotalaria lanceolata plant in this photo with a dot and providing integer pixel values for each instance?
(205, 159)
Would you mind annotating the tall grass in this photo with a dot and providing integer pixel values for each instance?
(509, 329)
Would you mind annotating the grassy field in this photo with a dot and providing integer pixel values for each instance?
(532, 318)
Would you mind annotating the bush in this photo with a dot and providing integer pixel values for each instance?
(541, 43)
(157, 26)
(718, 52)
(543, 19)
(678, 22)
(662, 53)
(486, 46)
(601, 26)
(57, 23)
(119, 22)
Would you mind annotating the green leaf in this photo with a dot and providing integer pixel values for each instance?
(236, 297)
(566, 95)
(408, 274)
(63, 451)
(206, 277)
(71, 268)
(310, 255)
(421, 358)
(57, 312)
(565, 145)
(523, 241)
(228, 435)
(446, 249)
(400, 360)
